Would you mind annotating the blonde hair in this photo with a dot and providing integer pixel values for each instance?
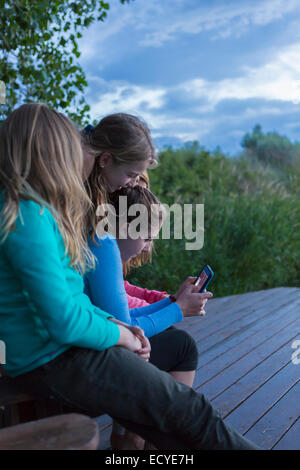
(127, 138)
(41, 160)
(144, 178)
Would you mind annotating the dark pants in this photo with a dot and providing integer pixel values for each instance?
(137, 395)
(174, 350)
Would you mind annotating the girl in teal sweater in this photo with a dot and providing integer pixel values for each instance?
(43, 251)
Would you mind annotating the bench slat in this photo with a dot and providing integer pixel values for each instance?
(65, 432)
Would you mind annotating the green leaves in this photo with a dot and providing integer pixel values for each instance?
(39, 52)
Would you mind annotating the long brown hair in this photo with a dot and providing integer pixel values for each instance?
(127, 138)
(138, 195)
(41, 159)
(142, 258)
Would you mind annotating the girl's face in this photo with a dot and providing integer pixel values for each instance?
(130, 248)
(118, 176)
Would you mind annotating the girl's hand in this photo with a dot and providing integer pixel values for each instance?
(191, 301)
(202, 312)
(189, 281)
(128, 339)
(145, 350)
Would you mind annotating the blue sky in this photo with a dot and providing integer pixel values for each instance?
(205, 70)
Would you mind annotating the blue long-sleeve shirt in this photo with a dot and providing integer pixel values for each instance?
(43, 309)
(105, 287)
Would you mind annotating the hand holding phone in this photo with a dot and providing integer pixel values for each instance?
(191, 304)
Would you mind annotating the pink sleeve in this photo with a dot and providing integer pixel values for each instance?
(150, 296)
(135, 302)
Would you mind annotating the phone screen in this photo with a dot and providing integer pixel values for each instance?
(201, 279)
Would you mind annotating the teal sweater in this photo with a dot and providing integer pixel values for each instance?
(43, 310)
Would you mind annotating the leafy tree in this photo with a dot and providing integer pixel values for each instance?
(39, 52)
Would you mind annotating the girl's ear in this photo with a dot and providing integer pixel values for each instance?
(123, 231)
(104, 159)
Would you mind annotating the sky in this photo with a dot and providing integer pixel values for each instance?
(205, 70)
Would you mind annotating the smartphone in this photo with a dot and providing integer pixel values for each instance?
(204, 277)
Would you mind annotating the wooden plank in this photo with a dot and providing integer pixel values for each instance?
(219, 317)
(225, 315)
(222, 305)
(240, 323)
(250, 397)
(290, 440)
(242, 346)
(64, 432)
(217, 306)
(227, 377)
(241, 350)
(240, 320)
(266, 325)
(269, 430)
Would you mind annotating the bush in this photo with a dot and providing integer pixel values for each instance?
(252, 219)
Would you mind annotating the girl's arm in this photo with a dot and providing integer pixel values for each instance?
(157, 317)
(150, 296)
(33, 252)
(105, 286)
(134, 302)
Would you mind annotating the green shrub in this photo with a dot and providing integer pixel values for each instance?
(252, 223)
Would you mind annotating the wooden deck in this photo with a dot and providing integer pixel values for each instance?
(245, 365)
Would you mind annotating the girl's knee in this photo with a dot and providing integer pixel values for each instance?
(189, 351)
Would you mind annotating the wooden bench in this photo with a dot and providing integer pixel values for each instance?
(28, 422)
(17, 407)
(65, 432)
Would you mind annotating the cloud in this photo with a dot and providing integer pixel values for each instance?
(272, 89)
(206, 109)
(126, 97)
(149, 103)
(225, 20)
(277, 79)
(157, 22)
